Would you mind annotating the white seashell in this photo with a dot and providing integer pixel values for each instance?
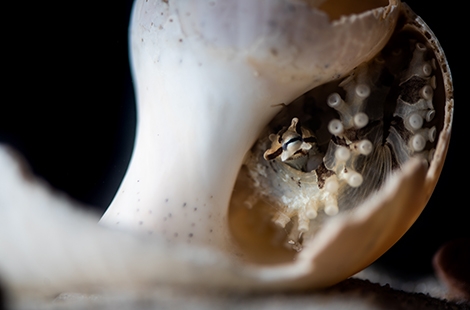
(211, 94)
(234, 85)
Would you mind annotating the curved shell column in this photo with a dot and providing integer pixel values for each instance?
(209, 77)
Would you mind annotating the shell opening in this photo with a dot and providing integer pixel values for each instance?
(327, 151)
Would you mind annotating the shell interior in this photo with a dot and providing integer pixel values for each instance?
(331, 148)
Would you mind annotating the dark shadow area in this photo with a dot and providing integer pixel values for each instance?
(70, 106)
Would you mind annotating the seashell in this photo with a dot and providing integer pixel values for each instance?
(343, 117)
(268, 147)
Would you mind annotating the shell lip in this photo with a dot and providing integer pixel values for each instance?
(306, 272)
(381, 11)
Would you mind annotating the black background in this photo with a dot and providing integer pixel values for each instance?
(68, 107)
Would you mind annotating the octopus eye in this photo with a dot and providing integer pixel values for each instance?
(291, 143)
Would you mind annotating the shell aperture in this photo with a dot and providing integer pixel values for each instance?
(346, 137)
